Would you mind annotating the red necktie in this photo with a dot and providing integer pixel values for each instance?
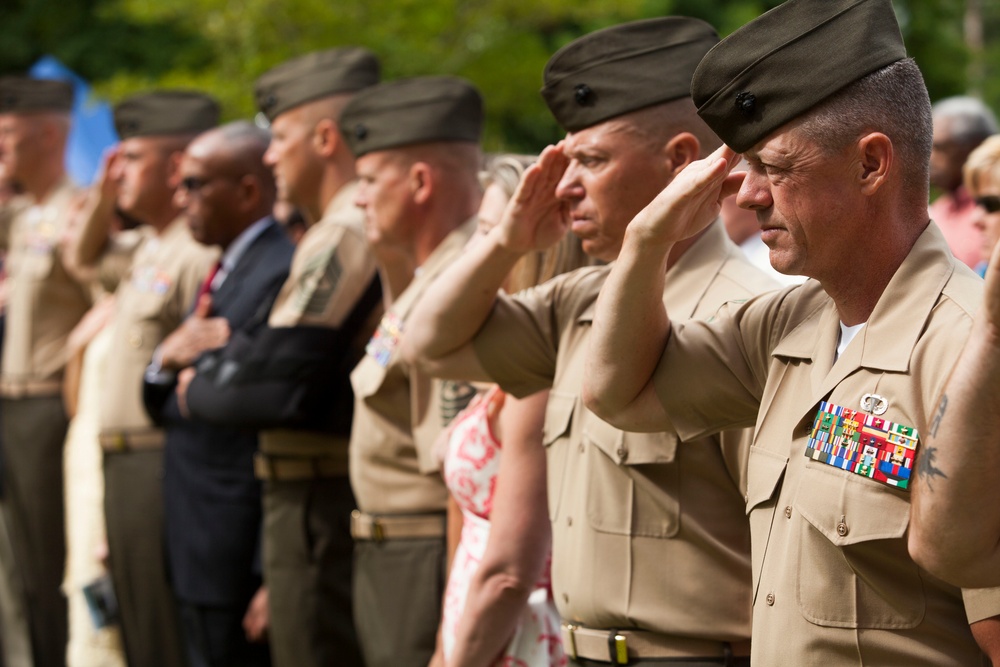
(206, 286)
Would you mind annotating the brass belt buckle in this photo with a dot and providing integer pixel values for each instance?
(120, 443)
(617, 648)
(378, 531)
(571, 631)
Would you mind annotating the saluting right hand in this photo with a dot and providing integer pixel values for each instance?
(690, 202)
(535, 218)
(992, 293)
(106, 180)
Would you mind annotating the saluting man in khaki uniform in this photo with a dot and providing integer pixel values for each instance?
(642, 528)
(44, 303)
(319, 324)
(841, 374)
(151, 301)
(417, 143)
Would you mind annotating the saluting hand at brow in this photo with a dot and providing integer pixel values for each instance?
(691, 201)
(535, 218)
(992, 304)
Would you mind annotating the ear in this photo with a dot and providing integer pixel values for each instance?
(680, 151)
(875, 157)
(421, 182)
(250, 191)
(326, 137)
(174, 169)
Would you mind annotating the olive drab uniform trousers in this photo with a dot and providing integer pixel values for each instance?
(44, 304)
(400, 528)
(151, 301)
(308, 551)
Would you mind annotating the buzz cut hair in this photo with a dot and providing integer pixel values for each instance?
(892, 100)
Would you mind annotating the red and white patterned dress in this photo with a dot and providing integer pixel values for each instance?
(471, 465)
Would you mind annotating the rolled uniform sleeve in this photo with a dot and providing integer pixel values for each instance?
(330, 272)
(519, 343)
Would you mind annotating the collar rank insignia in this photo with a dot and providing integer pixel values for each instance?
(863, 444)
(386, 339)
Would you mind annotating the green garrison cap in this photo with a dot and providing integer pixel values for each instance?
(315, 75)
(624, 68)
(790, 59)
(412, 111)
(165, 112)
(20, 93)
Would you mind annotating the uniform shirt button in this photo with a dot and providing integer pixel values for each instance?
(569, 521)
(769, 599)
(135, 339)
(622, 453)
(788, 512)
(842, 529)
(565, 598)
(580, 447)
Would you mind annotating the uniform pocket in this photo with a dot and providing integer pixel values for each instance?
(633, 480)
(37, 263)
(556, 429)
(854, 569)
(764, 472)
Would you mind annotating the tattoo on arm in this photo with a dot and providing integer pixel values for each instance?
(926, 468)
(942, 406)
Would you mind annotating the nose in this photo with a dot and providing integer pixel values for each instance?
(181, 198)
(271, 155)
(754, 194)
(361, 197)
(569, 187)
(979, 218)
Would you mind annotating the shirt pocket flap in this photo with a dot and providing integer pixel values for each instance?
(764, 474)
(367, 377)
(625, 448)
(848, 509)
(558, 417)
(37, 263)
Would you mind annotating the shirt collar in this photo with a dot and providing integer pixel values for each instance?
(899, 316)
(231, 257)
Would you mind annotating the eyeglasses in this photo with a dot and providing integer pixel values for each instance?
(195, 184)
(990, 203)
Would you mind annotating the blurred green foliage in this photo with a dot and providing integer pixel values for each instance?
(123, 46)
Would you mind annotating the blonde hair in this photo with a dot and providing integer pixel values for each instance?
(534, 268)
(984, 159)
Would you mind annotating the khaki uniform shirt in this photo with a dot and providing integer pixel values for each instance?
(331, 269)
(399, 412)
(44, 303)
(116, 260)
(646, 534)
(833, 582)
(152, 300)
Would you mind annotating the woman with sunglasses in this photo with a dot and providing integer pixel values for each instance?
(982, 179)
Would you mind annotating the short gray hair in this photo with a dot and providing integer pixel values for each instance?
(971, 120)
(892, 100)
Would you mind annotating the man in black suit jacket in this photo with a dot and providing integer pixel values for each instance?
(211, 499)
